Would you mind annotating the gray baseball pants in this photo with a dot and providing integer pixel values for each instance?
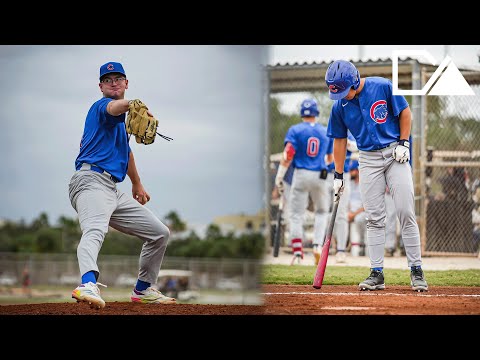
(378, 169)
(305, 183)
(99, 203)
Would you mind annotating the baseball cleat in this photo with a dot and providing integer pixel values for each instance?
(375, 281)
(151, 296)
(417, 279)
(340, 257)
(90, 294)
(297, 257)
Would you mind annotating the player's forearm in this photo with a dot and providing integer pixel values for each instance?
(285, 163)
(117, 107)
(339, 154)
(405, 121)
(329, 158)
(132, 170)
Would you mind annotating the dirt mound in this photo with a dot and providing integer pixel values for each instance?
(293, 300)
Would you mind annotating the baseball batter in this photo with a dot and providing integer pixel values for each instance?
(381, 125)
(309, 149)
(105, 159)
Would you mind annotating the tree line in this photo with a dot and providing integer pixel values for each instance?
(40, 236)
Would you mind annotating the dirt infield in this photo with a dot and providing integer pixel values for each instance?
(394, 300)
(293, 300)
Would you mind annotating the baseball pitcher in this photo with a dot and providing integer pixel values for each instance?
(105, 159)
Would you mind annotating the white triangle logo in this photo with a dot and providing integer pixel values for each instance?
(451, 82)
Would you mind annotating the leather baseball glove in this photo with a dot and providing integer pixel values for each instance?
(140, 124)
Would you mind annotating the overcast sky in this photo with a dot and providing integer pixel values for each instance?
(209, 99)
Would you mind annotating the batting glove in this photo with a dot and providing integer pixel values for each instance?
(401, 153)
(338, 184)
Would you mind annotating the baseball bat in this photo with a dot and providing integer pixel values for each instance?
(278, 229)
(322, 263)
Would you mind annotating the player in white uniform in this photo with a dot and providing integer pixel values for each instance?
(309, 148)
(381, 125)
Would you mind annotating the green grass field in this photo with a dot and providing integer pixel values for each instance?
(339, 275)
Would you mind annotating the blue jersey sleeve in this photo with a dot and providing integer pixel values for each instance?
(336, 127)
(290, 138)
(109, 119)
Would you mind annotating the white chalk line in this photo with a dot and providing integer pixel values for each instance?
(369, 293)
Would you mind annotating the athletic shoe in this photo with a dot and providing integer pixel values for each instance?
(151, 296)
(374, 282)
(296, 257)
(90, 293)
(417, 279)
(340, 257)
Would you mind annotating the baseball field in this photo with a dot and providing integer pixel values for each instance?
(287, 290)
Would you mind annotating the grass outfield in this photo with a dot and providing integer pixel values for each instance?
(339, 275)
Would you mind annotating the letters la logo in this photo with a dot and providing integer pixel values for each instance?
(451, 82)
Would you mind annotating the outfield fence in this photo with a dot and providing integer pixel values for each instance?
(62, 269)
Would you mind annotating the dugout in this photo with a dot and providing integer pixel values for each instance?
(441, 125)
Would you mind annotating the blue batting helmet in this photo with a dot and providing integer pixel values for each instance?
(309, 108)
(340, 77)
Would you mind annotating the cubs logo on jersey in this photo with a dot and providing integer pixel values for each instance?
(379, 111)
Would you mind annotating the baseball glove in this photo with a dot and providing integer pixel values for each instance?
(140, 124)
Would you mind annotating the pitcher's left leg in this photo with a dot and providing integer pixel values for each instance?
(133, 218)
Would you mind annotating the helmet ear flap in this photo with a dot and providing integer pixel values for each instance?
(356, 81)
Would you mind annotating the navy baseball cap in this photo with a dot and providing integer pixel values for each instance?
(111, 67)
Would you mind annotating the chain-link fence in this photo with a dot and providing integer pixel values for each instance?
(62, 269)
(446, 149)
(452, 174)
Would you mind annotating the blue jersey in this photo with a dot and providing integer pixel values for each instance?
(372, 118)
(104, 141)
(311, 144)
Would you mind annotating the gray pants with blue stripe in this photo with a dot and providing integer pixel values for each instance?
(305, 183)
(376, 170)
(100, 204)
